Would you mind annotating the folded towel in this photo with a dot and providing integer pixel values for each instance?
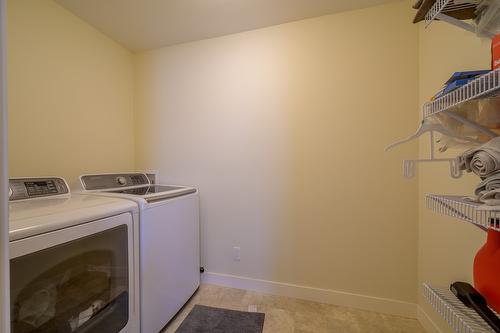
(484, 160)
(488, 184)
(491, 198)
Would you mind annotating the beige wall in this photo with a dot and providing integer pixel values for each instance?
(446, 245)
(70, 94)
(283, 131)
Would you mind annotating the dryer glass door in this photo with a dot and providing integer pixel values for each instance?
(78, 286)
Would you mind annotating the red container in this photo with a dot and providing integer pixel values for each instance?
(487, 270)
(495, 52)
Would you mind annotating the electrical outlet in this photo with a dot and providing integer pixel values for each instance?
(236, 253)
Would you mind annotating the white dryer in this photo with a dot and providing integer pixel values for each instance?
(169, 241)
(73, 263)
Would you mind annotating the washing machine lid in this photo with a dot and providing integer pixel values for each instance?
(155, 192)
(32, 217)
(133, 186)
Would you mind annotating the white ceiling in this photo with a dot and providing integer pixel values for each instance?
(147, 24)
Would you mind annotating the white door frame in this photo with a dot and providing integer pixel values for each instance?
(4, 204)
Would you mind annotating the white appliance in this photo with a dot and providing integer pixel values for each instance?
(169, 241)
(73, 263)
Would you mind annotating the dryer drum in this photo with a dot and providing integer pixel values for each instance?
(86, 292)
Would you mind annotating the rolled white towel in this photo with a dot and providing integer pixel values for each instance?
(488, 184)
(484, 160)
(490, 198)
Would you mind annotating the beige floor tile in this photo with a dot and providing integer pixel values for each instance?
(279, 321)
(289, 315)
(265, 302)
(324, 318)
(232, 299)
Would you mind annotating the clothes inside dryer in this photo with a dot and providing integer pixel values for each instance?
(79, 286)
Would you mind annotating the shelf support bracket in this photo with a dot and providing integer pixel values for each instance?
(471, 123)
(456, 22)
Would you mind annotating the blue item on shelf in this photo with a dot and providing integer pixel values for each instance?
(466, 75)
(459, 79)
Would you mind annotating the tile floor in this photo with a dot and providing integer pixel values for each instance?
(290, 315)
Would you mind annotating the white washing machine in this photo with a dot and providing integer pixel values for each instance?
(169, 241)
(73, 263)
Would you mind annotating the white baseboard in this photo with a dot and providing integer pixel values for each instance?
(377, 304)
(426, 321)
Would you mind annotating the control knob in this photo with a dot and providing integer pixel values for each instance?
(121, 180)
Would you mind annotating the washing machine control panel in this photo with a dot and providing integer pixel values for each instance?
(113, 180)
(30, 188)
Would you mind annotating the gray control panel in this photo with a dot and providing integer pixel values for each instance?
(117, 180)
(30, 188)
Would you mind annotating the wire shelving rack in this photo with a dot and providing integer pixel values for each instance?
(457, 315)
(439, 9)
(464, 209)
(484, 86)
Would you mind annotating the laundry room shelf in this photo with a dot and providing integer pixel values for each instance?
(441, 6)
(441, 11)
(461, 318)
(484, 86)
(466, 210)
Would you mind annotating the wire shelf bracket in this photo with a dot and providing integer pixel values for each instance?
(458, 23)
(454, 312)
